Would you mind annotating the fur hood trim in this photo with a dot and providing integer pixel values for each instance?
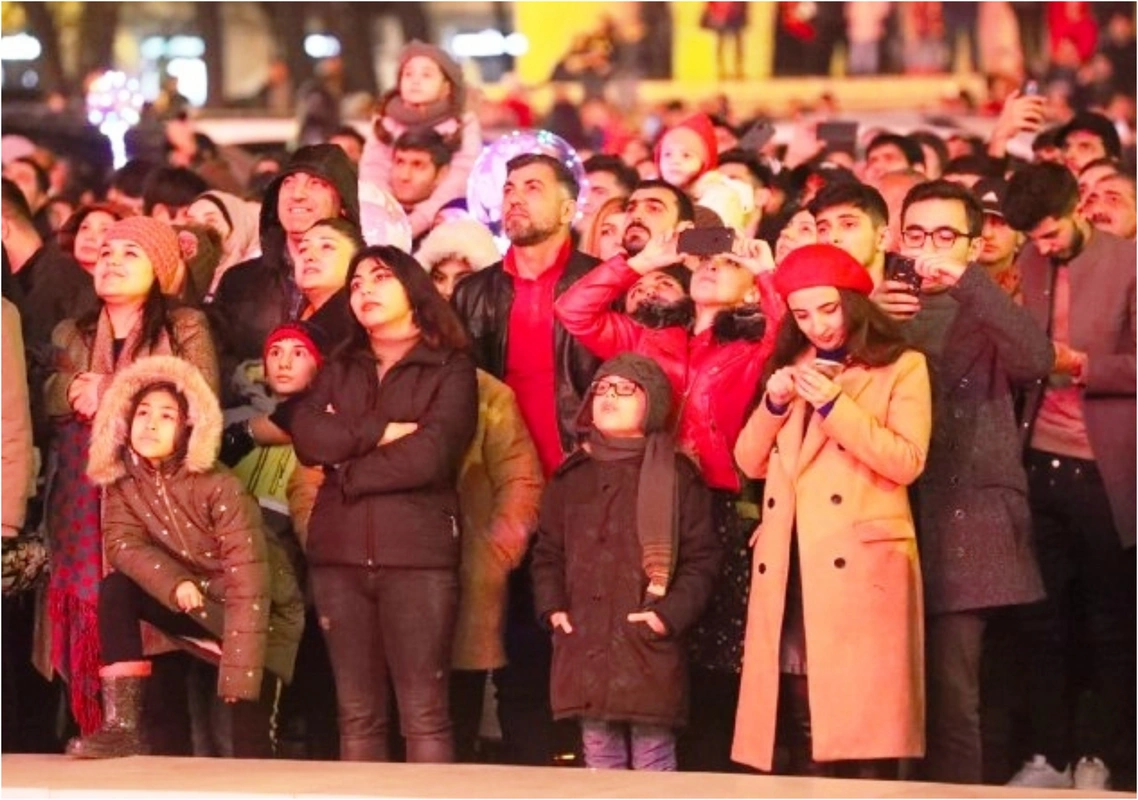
(746, 322)
(465, 238)
(111, 431)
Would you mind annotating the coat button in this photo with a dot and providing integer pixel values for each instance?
(953, 481)
(762, 568)
(836, 499)
(839, 562)
(958, 513)
(770, 502)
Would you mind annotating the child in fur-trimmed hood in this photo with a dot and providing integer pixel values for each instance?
(190, 556)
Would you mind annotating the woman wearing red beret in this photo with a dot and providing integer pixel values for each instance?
(833, 664)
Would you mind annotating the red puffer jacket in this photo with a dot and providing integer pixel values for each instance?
(714, 374)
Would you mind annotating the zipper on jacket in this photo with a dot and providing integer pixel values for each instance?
(161, 484)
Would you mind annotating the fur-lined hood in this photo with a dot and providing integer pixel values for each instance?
(111, 430)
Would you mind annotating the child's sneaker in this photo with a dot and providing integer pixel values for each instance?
(1038, 774)
(1091, 774)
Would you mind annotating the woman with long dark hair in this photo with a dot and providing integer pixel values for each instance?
(138, 271)
(833, 664)
(389, 420)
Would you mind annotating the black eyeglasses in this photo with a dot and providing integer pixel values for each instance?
(602, 387)
(943, 238)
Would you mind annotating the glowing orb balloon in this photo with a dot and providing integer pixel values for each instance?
(382, 219)
(488, 176)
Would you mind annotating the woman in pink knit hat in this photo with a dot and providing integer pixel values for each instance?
(137, 274)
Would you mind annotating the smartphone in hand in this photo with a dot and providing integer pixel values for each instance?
(706, 241)
(904, 270)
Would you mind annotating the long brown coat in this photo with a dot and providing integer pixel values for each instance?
(841, 488)
(192, 521)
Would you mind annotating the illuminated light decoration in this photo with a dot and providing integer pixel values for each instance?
(488, 43)
(488, 175)
(321, 45)
(20, 47)
(113, 104)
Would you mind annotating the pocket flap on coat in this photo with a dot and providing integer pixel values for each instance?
(885, 529)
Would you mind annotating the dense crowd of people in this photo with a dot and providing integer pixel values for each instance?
(740, 457)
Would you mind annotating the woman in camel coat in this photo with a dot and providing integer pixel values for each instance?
(833, 652)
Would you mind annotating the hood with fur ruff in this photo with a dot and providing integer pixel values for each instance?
(111, 430)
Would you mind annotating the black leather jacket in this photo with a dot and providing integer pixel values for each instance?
(483, 303)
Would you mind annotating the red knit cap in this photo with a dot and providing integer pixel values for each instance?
(821, 265)
(303, 332)
(701, 125)
(160, 243)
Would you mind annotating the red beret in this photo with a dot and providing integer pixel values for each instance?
(821, 265)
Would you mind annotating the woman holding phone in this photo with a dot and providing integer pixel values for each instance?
(833, 654)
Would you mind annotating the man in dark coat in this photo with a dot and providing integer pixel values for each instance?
(974, 527)
(256, 296)
(508, 310)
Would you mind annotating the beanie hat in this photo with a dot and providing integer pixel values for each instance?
(1095, 124)
(467, 239)
(160, 243)
(701, 125)
(821, 265)
(448, 65)
(311, 335)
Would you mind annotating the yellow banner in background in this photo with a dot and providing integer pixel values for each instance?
(552, 28)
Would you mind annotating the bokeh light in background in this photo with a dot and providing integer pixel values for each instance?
(114, 103)
(488, 176)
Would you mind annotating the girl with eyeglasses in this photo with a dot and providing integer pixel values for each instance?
(833, 653)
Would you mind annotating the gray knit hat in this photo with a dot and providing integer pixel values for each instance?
(449, 66)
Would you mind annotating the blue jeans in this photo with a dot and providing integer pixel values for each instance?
(607, 745)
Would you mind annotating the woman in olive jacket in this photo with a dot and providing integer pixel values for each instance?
(389, 420)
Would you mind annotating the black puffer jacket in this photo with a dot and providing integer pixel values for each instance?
(395, 505)
(258, 295)
(483, 303)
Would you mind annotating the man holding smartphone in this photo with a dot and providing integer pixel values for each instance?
(973, 520)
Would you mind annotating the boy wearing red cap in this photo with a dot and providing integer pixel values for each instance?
(260, 454)
(833, 664)
(687, 156)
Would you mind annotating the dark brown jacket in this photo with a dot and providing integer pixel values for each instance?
(587, 562)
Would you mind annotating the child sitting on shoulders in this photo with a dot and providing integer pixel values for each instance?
(430, 93)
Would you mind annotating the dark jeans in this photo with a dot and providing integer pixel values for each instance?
(953, 645)
(522, 686)
(122, 605)
(396, 622)
(239, 730)
(467, 689)
(1079, 643)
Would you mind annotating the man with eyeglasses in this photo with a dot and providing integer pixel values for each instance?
(1079, 284)
(973, 524)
